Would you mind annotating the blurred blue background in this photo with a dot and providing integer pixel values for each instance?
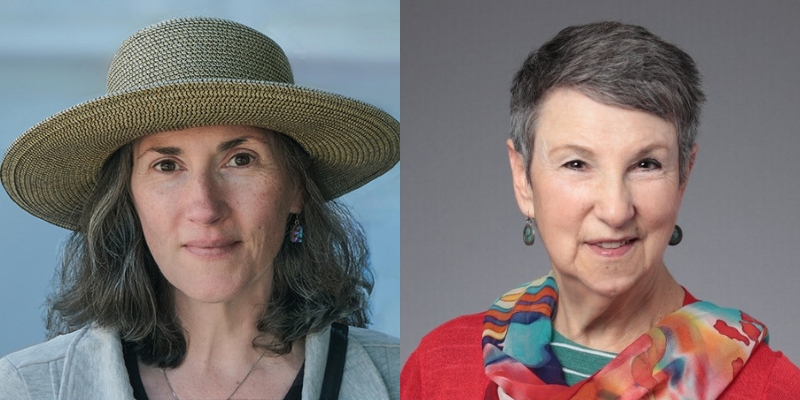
(56, 54)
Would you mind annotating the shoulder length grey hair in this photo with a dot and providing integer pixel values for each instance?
(108, 276)
(615, 64)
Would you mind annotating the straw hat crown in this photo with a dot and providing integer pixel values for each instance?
(196, 49)
(190, 72)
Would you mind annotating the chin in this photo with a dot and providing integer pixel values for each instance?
(219, 285)
(210, 296)
(211, 291)
(611, 288)
(609, 285)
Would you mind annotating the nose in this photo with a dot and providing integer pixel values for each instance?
(205, 198)
(614, 202)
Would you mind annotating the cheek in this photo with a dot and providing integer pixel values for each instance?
(154, 217)
(559, 203)
(263, 215)
(264, 211)
(560, 213)
(657, 204)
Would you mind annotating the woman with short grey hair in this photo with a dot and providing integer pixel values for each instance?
(604, 118)
(209, 257)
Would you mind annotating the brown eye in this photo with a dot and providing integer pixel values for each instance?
(166, 166)
(649, 164)
(575, 164)
(240, 160)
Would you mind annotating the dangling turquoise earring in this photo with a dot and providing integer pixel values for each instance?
(296, 235)
(677, 236)
(528, 235)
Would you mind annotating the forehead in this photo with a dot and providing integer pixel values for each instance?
(568, 116)
(200, 135)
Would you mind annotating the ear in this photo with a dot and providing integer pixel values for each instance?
(297, 199)
(519, 177)
(689, 166)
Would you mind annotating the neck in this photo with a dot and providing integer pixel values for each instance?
(220, 354)
(219, 335)
(611, 323)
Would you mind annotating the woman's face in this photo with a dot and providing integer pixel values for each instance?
(213, 202)
(604, 189)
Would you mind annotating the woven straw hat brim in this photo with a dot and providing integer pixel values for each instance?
(51, 169)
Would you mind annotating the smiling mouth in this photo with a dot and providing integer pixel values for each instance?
(613, 245)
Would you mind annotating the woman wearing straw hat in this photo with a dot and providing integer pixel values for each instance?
(207, 259)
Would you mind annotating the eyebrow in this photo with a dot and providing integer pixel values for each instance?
(227, 145)
(582, 151)
(167, 151)
(176, 151)
(650, 148)
(585, 152)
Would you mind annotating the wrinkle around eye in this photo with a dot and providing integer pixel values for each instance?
(648, 164)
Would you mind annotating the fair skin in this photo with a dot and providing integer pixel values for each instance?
(604, 187)
(213, 203)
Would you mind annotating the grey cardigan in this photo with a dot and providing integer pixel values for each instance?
(88, 364)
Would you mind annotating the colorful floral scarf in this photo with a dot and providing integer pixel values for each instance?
(694, 352)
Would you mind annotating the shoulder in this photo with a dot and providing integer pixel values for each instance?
(461, 334)
(370, 339)
(383, 352)
(768, 374)
(31, 372)
(90, 338)
(53, 350)
(37, 371)
(371, 368)
(448, 363)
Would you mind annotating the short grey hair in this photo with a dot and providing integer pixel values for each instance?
(615, 64)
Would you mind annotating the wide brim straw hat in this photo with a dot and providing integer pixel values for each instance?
(189, 72)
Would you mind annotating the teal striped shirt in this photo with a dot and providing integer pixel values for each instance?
(578, 362)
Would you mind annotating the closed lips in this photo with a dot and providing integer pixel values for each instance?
(211, 245)
(208, 243)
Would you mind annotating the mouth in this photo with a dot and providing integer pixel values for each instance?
(613, 244)
(612, 247)
(211, 249)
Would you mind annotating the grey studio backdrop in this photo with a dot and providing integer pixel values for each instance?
(461, 230)
(56, 54)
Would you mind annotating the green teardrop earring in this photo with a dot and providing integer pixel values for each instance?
(528, 235)
(677, 236)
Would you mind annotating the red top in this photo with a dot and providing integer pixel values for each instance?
(448, 364)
